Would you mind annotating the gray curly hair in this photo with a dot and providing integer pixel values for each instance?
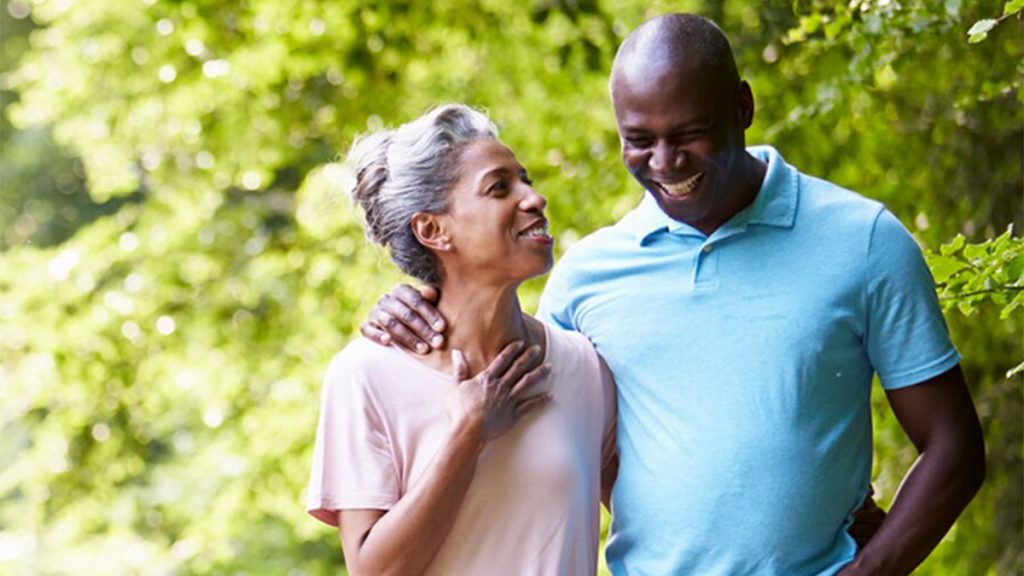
(411, 169)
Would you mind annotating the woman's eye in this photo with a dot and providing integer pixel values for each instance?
(526, 180)
(499, 187)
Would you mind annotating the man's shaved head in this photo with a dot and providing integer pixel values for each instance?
(682, 111)
(675, 42)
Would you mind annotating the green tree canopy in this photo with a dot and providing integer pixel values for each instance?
(177, 267)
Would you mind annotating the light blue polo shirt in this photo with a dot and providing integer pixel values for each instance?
(744, 363)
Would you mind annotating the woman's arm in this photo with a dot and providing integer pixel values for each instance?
(405, 539)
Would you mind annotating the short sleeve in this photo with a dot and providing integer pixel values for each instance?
(608, 445)
(907, 339)
(353, 466)
(555, 301)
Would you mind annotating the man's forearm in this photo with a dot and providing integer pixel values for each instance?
(933, 494)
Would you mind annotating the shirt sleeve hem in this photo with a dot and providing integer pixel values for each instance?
(325, 507)
(920, 375)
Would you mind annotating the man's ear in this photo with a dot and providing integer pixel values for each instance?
(430, 231)
(745, 104)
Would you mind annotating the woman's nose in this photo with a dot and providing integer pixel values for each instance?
(533, 200)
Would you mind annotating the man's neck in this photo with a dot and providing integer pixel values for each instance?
(743, 187)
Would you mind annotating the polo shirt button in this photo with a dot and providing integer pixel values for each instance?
(708, 248)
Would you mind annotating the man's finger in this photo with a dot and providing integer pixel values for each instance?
(423, 308)
(400, 335)
(532, 403)
(431, 293)
(529, 380)
(410, 319)
(371, 332)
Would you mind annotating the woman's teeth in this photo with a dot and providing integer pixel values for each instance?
(683, 188)
(537, 232)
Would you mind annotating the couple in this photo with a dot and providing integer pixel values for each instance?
(743, 309)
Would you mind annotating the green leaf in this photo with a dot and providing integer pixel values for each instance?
(980, 30)
(982, 26)
(1009, 308)
(953, 245)
(1012, 7)
(944, 267)
(966, 307)
(976, 251)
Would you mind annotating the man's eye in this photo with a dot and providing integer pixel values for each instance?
(638, 142)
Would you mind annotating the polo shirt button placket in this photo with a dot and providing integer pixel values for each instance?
(706, 272)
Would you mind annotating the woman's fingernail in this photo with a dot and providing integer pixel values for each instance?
(421, 347)
(436, 340)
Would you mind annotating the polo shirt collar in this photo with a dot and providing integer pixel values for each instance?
(775, 204)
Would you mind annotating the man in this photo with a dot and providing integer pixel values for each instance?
(744, 309)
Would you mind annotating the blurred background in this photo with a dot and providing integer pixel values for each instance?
(178, 262)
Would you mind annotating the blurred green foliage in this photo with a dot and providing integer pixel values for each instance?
(177, 269)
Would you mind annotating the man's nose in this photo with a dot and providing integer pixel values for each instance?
(664, 158)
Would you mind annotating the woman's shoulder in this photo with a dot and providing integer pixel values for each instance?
(569, 339)
(359, 353)
(566, 346)
(358, 362)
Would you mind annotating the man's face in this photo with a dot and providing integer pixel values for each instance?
(682, 135)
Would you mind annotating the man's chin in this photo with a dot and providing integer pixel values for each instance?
(684, 209)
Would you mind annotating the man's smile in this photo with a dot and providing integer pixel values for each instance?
(684, 188)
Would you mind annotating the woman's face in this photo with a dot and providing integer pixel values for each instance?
(495, 224)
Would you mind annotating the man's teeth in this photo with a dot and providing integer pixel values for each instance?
(537, 231)
(683, 188)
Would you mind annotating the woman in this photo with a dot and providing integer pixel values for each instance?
(424, 468)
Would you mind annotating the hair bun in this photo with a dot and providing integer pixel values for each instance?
(369, 157)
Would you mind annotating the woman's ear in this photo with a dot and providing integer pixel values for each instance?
(430, 232)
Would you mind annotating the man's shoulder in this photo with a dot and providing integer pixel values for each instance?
(830, 203)
(826, 194)
(614, 238)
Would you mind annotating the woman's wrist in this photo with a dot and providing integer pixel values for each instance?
(469, 431)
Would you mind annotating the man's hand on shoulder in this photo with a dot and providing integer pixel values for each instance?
(407, 317)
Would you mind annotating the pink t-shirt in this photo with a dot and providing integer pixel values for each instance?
(533, 507)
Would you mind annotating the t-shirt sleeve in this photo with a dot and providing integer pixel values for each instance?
(353, 466)
(907, 339)
(555, 306)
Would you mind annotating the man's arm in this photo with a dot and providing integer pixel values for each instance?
(939, 417)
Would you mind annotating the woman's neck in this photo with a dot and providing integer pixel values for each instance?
(481, 322)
